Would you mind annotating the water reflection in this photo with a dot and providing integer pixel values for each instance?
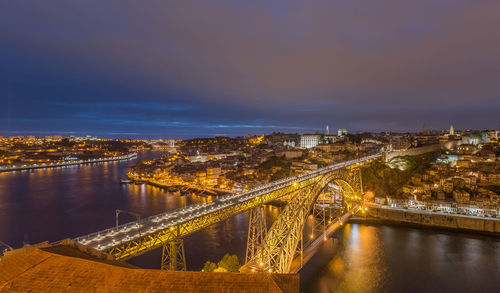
(365, 258)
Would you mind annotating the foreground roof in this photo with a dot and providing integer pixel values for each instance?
(67, 268)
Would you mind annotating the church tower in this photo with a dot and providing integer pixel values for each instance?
(327, 132)
(452, 130)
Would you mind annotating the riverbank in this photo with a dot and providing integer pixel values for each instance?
(183, 189)
(68, 163)
(452, 222)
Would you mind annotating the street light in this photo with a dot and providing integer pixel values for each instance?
(118, 212)
(6, 245)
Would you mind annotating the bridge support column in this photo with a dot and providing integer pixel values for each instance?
(173, 258)
(257, 231)
(320, 218)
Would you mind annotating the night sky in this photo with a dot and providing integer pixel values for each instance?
(185, 69)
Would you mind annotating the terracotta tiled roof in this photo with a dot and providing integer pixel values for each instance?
(66, 269)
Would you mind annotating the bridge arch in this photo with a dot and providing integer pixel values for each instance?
(280, 246)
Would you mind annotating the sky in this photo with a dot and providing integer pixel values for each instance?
(181, 69)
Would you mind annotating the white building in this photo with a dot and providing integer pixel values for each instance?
(309, 140)
(341, 132)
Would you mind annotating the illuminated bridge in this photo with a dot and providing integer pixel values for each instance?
(273, 250)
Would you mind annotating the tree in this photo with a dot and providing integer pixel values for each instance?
(230, 263)
(220, 270)
(209, 266)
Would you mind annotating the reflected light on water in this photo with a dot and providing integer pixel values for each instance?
(357, 265)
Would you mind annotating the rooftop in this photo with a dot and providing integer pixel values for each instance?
(66, 267)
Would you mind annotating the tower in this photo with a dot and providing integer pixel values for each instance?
(327, 132)
(452, 130)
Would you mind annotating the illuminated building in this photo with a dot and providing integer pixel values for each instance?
(309, 140)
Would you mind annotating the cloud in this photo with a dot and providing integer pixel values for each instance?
(361, 64)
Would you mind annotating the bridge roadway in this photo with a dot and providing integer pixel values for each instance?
(134, 238)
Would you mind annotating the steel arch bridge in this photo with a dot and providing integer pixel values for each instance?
(275, 249)
(284, 241)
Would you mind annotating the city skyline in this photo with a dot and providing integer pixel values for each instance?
(197, 69)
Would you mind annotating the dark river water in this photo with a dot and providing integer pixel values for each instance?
(53, 204)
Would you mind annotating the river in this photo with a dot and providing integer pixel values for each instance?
(53, 204)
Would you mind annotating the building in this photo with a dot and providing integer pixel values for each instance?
(463, 164)
(447, 185)
(53, 138)
(466, 149)
(452, 130)
(327, 139)
(478, 138)
(342, 132)
(461, 196)
(293, 154)
(309, 140)
(494, 135)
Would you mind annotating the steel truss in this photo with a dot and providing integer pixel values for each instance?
(281, 245)
(154, 240)
(257, 231)
(281, 241)
(173, 258)
(321, 216)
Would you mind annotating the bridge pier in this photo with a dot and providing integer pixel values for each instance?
(257, 231)
(173, 257)
(320, 219)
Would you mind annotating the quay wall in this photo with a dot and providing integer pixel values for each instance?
(422, 150)
(413, 152)
(488, 225)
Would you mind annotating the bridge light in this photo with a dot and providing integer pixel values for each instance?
(312, 236)
(270, 270)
